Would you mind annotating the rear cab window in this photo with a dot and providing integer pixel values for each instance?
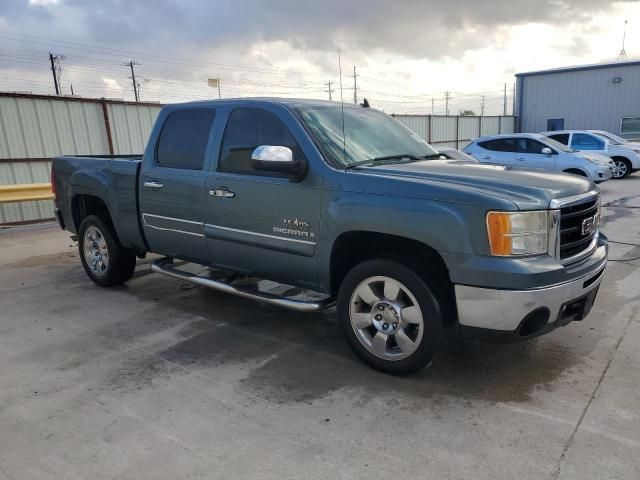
(183, 139)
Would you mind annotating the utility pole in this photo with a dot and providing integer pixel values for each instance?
(329, 90)
(504, 109)
(432, 103)
(72, 90)
(130, 64)
(54, 70)
(482, 102)
(355, 86)
(623, 53)
(447, 97)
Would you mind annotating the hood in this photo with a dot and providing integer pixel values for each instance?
(472, 182)
(595, 157)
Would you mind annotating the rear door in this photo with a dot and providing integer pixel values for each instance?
(257, 222)
(498, 150)
(172, 182)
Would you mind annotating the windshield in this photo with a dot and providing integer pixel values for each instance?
(369, 134)
(557, 145)
(611, 137)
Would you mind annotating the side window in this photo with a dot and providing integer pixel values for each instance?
(183, 139)
(630, 125)
(499, 145)
(528, 145)
(247, 129)
(583, 141)
(560, 137)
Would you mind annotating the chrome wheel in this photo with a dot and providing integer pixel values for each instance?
(620, 169)
(386, 318)
(96, 252)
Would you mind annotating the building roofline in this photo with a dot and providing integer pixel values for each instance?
(40, 96)
(594, 66)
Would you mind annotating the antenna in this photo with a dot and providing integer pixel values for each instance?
(623, 54)
(344, 139)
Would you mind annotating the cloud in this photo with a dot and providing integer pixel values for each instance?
(413, 28)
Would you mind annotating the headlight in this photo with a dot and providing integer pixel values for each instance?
(518, 233)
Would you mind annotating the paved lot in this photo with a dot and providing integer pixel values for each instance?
(158, 379)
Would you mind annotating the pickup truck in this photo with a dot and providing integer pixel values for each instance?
(341, 205)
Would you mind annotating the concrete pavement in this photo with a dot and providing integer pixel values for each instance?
(160, 379)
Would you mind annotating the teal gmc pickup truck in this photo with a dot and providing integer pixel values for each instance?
(341, 205)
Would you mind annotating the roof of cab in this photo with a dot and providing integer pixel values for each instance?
(287, 102)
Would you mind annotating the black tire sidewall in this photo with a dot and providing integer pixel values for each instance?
(434, 332)
(121, 260)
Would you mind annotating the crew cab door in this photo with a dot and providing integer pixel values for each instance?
(172, 182)
(529, 155)
(259, 222)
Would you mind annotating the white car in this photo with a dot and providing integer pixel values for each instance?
(537, 152)
(625, 155)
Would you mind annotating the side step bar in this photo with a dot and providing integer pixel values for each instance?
(166, 267)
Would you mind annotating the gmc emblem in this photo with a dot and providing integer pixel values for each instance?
(588, 225)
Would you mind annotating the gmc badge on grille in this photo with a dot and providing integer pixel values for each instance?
(588, 225)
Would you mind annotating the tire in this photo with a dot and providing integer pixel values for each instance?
(622, 168)
(366, 310)
(105, 261)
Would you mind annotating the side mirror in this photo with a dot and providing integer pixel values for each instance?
(547, 151)
(274, 158)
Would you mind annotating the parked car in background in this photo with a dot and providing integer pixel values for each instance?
(538, 152)
(453, 154)
(625, 156)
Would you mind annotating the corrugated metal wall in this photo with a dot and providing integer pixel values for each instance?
(455, 131)
(585, 99)
(34, 128)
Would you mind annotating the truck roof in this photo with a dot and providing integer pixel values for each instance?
(288, 102)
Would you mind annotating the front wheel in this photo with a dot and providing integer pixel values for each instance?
(104, 259)
(621, 167)
(391, 318)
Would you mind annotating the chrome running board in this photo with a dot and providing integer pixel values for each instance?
(166, 267)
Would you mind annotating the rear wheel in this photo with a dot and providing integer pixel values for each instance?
(391, 318)
(104, 259)
(621, 167)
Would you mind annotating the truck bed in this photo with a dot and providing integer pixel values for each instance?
(111, 178)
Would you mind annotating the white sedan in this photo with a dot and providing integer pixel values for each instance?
(625, 155)
(538, 152)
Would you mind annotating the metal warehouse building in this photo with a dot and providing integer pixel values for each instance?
(602, 97)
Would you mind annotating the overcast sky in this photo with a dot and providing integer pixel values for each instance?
(406, 51)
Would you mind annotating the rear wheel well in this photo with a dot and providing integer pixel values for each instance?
(85, 205)
(352, 248)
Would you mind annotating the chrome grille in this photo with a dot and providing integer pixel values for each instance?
(578, 228)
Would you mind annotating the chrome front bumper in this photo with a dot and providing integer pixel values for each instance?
(504, 310)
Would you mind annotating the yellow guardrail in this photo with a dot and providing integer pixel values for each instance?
(25, 192)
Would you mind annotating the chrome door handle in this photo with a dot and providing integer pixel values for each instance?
(520, 159)
(221, 193)
(153, 185)
(487, 157)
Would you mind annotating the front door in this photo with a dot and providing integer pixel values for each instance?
(529, 155)
(172, 186)
(258, 222)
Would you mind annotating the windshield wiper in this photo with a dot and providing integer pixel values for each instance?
(401, 156)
